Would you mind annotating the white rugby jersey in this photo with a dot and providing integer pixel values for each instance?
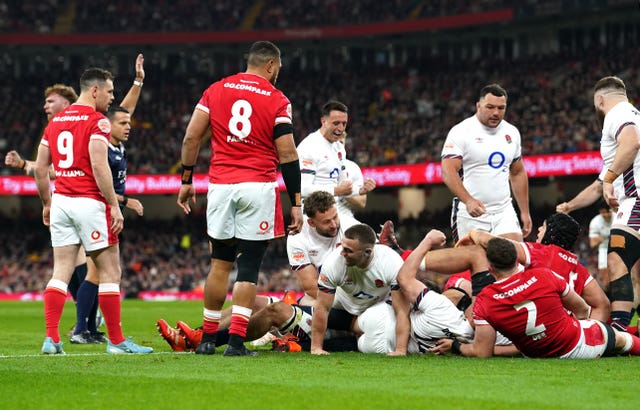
(308, 247)
(321, 164)
(621, 115)
(599, 227)
(433, 316)
(354, 174)
(486, 154)
(355, 288)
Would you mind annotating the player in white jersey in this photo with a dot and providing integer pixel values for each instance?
(481, 165)
(354, 277)
(584, 198)
(322, 157)
(321, 233)
(599, 228)
(619, 148)
(433, 316)
(347, 204)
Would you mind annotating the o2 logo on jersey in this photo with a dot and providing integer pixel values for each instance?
(334, 173)
(497, 160)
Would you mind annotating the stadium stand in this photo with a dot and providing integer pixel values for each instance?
(404, 90)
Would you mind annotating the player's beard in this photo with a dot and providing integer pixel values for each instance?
(274, 77)
(329, 233)
(600, 118)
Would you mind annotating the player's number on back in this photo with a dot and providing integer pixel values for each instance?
(65, 149)
(239, 123)
(532, 314)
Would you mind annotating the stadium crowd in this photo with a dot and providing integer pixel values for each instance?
(403, 101)
(223, 15)
(400, 113)
(174, 255)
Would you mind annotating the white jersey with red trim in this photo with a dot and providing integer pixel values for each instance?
(321, 164)
(356, 288)
(67, 136)
(354, 174)
(243, 111)
(309, 247)
(620, 116)
(486, 154)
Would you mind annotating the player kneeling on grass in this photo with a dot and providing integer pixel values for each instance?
(432, 315)
(528, 307)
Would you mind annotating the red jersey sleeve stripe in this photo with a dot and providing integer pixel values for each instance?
(283, 120)
(99, 137)
(203, 108)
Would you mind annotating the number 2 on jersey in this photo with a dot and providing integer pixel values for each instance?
(532, 313)
(65, 149)
(239, 123)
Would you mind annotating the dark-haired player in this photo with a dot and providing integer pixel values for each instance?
(552, 249)
(251, 133)
(620, 148)
(481, 165)
(528, 307)
(83, 210)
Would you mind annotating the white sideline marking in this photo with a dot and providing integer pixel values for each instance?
(16, 356)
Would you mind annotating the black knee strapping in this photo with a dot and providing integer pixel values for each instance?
(625, 245)
(223, 250)
(250, 255)
(465, 300)
(621, 289)
(480, 280)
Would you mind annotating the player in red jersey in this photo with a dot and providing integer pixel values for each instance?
(528, 307)
(556, 236)
(251, 133)
(84, 208)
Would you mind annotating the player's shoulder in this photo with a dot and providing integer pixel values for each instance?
(386, 254)
(464, 125)
(509, 128)
(300, 240)
(334, 261)
(621, 113)
(310, 140)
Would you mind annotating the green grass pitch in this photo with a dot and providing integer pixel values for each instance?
(89, 378)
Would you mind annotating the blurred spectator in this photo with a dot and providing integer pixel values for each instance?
(398, 114)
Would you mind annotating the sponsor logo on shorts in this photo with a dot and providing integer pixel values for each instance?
(95, 235)
(264, 225)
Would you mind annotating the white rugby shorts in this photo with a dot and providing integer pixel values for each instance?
(80, 220)
(499, 223)
(379, 326)
(248, 210)
(593, 341)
